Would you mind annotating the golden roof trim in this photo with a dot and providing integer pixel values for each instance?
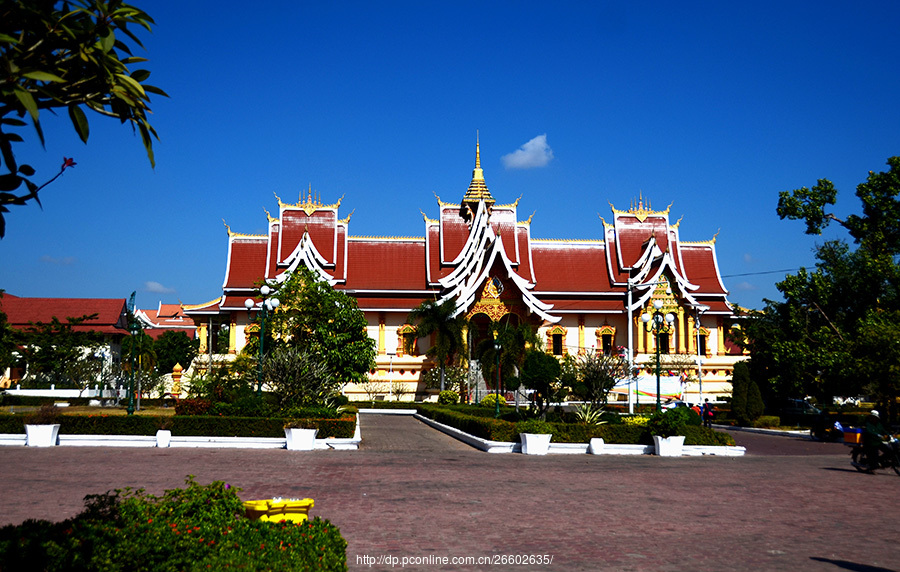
(527, 222)
(710, 242)
(198, 306)
(310, 204)
(569, 240)
(396, 238)
(428, 220)
(640, 211)
(346, 220)
(443, 204)
(232, 234)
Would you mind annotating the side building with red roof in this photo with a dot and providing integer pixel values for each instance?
(110, 321)
(581, 295)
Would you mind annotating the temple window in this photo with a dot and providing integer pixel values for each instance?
(663, 340)
(557, 344)
(556, 340)
(607, 344)
(702, 348)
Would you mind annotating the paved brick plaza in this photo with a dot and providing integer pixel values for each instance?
(412, 492)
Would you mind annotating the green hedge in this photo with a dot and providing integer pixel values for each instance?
(483, 427)
(192, 529)
(621, 434)
(199, 426)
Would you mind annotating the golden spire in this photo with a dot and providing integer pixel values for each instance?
(478, 190)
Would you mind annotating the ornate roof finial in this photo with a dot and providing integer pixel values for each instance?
(477, 190)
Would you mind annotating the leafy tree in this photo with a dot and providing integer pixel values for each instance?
(540, 372)
(173, 347)
(56, 353)
(299, 378)
(324, 322)
(8, 344)
(71, 55)
(138, 349)
(740, 382)
(434, 318)
(454, 378)
(835, 322)
(597, 376)
(515, 341)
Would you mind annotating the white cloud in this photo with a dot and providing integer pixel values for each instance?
(157, 288)
(64, 261)
(535, 153)
(745, 286)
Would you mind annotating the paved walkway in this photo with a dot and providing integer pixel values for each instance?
(411, 492)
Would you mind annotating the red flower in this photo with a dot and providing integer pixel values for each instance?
(67, 162)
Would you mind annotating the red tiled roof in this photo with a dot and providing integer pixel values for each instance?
(246, 262)
(386, 264)
(567, 267)
(20, 312)
(700, 268)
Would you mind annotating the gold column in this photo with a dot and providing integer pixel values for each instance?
(202, 335)
(580, 335)
(720, 337)
(465, 337)
(232, 335)
(381, 348)
(692, 336)
(682, 347)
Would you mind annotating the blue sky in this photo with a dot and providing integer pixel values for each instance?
(714, 107)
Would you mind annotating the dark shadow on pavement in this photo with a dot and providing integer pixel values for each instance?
(856, 567)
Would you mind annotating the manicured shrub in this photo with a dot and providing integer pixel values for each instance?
(196, 528)
(490, 400)
(768, 421)
(448, 397)
(534, 426)
(196, 406)
(694, 435)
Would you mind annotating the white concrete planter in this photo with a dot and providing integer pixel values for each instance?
(596, 446)
(41, 435)
(300, 439)
(163, 438)
(535, 443)
(669, 446)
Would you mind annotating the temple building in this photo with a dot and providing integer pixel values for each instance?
(581, 295)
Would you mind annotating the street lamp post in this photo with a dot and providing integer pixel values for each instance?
(265, 306)
(497, 388)
(656, 324)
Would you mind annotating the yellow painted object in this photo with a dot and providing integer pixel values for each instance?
(854, 437)
(278, 509)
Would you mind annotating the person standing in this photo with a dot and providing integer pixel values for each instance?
(707, 413)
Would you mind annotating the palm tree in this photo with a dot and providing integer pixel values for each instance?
(433, 317)
(514, 339)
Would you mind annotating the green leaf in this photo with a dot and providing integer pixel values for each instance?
(12, 121)
(156, 90)
(108, 40)
(135, 86)
(43, 76)
(27, 170)
(27, 101)
(140, 75)
(80, 122)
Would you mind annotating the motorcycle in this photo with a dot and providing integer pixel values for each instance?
(889, 457)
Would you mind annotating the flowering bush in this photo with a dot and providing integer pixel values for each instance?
(196, 528)
(636, 420)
